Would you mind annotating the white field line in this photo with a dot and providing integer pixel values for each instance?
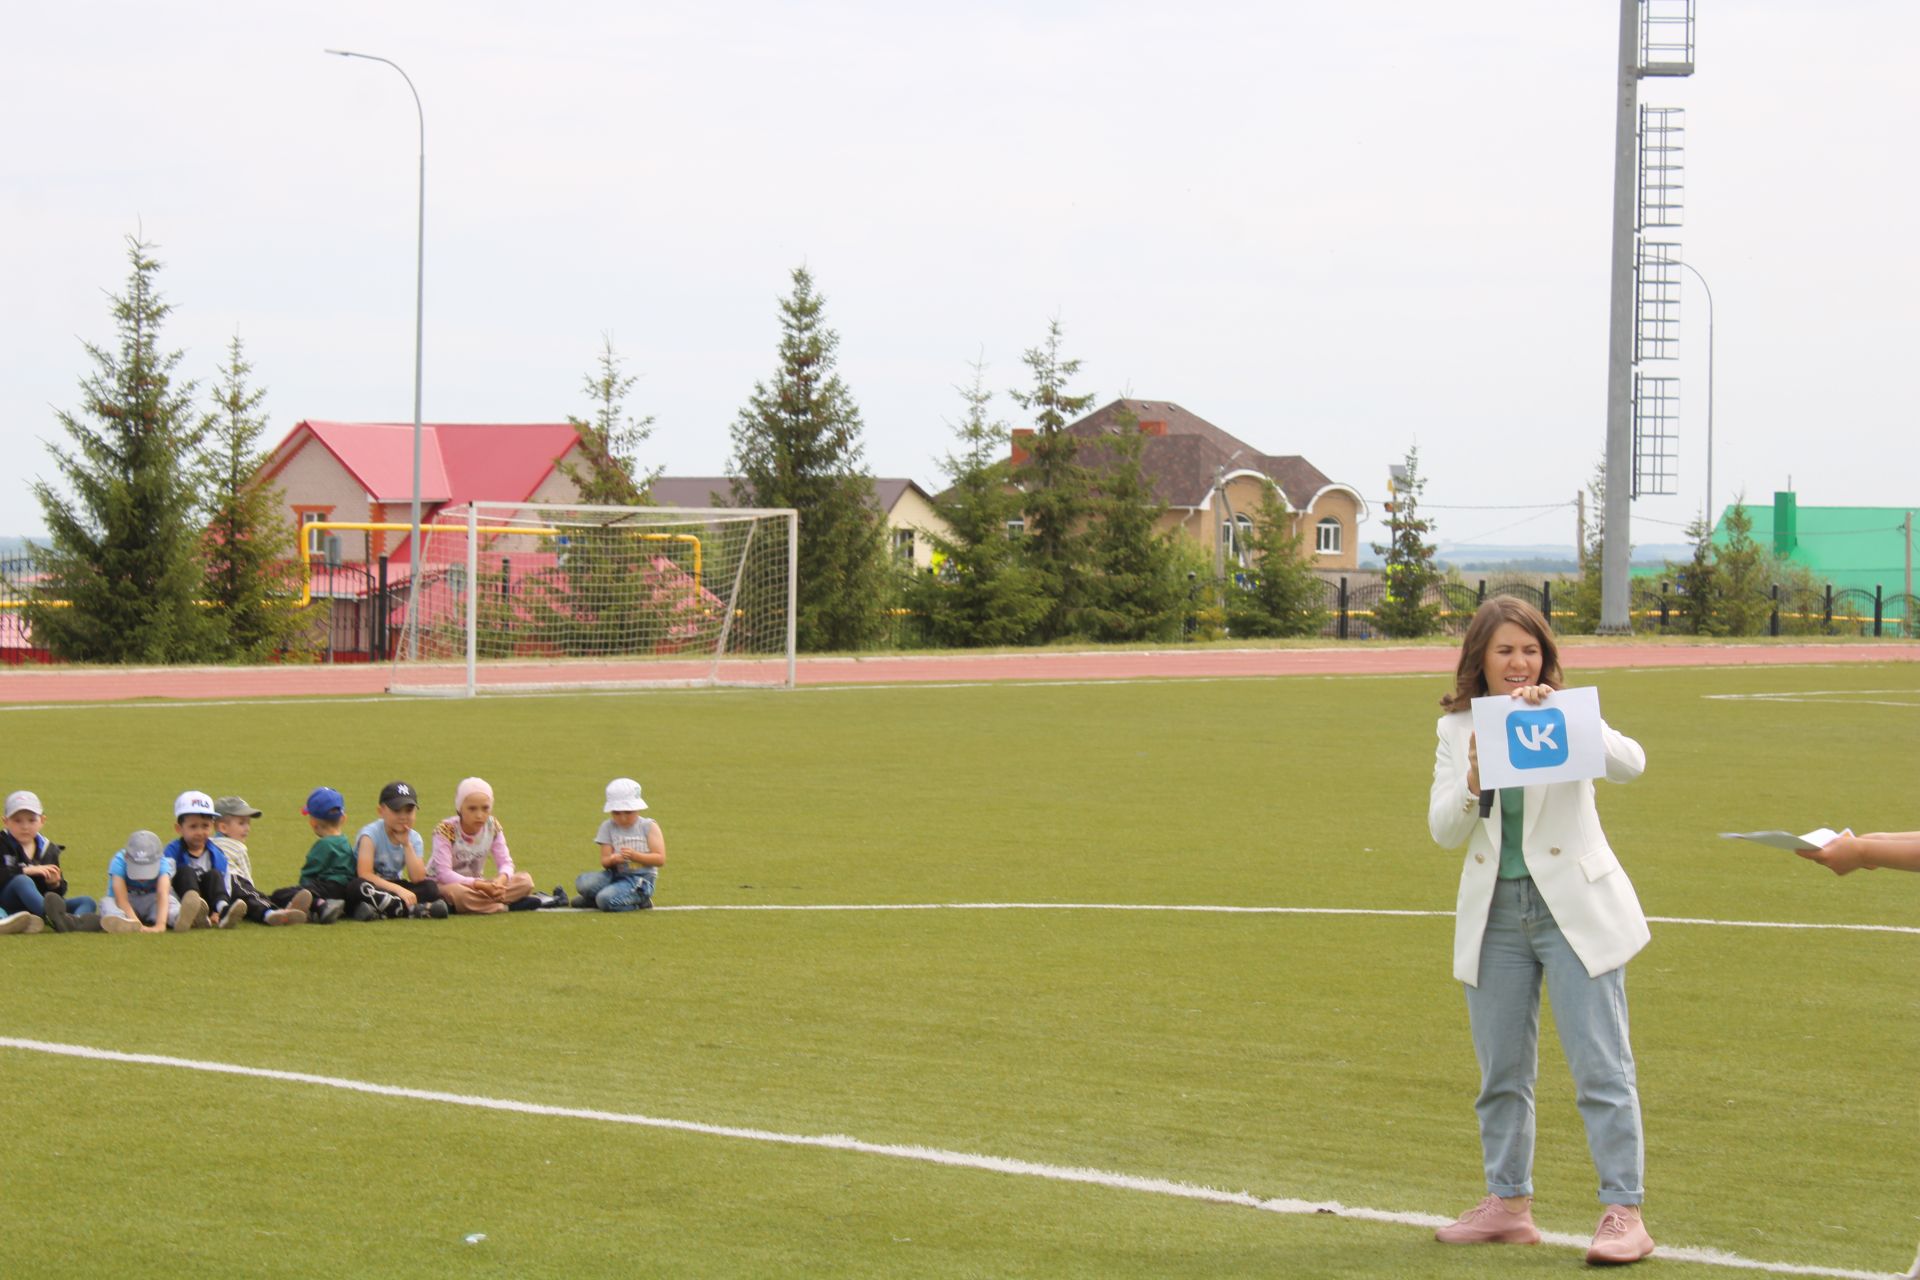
(1831, 697)
(1241, 911)
(896, 1151)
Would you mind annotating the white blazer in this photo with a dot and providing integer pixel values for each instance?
(1566, 851)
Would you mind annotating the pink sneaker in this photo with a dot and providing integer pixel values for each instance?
(1620, 1238)
(1491, 1222)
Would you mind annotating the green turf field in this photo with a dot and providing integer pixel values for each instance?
(1306, 1056)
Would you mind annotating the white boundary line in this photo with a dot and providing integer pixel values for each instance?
(1246, 911)
(896, 1151)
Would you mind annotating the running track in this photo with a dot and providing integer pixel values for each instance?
(83, 684)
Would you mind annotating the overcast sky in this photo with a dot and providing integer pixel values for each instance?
(1333, 229)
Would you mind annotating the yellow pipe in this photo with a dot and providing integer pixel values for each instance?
(364, 526)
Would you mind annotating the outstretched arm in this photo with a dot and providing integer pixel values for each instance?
(1897, 849)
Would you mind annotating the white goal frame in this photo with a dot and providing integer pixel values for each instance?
(737, 656)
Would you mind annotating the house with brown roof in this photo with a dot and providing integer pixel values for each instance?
(908, 509)
(1214, 483)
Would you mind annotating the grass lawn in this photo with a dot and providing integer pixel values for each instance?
(1319, 1057)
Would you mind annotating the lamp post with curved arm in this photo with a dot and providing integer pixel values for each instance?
(419, 330)
(1709, 288)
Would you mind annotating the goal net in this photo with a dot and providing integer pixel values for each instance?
(543, 596)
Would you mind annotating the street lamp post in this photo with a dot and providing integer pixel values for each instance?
(1709, 288)
(419, 330)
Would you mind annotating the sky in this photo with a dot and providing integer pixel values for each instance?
(1335, 230)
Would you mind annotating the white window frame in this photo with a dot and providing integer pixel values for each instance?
(1327, 537)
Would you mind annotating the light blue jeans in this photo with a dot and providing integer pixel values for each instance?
(1590, 1014)
(615, 893)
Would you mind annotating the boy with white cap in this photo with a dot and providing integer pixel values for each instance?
(30, 877)
(632, 851)
(140, 897)
(199, 865)
(232, 824)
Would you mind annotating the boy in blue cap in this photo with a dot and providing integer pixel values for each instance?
(328, 873)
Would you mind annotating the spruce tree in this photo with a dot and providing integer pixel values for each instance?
(1741, 566)
(1135, 590)
(607, 470)
(980, 593)
(125, 553)
(1698, 581)
(252, 566)
(1404, 609)
(609, 584)
(1586, 592)
(1284, 597)
(1056, 485)
(797, 444)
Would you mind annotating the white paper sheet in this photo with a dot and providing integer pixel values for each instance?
(1526, 746)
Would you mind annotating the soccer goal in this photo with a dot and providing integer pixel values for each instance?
(530, 596)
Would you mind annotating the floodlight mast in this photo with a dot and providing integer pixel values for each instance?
(1656, 39)
(1616, 547)
(414, 549)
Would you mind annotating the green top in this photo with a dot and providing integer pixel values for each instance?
(1513, 805)
(331, 858)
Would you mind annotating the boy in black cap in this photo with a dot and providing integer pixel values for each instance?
(389, 854)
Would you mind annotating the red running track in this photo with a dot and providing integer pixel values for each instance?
(33, 685)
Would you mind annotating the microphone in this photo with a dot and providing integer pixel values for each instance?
(1486, 803)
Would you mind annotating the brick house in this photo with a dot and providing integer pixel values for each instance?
(1214, 483)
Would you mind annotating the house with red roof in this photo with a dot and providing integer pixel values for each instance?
(362, 473)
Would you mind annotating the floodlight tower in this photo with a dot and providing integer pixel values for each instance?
(1656, 39)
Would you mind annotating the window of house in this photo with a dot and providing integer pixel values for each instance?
(1326, 537)
(903, 544)
(1236, 535)
(1015, 528)
(315, 538)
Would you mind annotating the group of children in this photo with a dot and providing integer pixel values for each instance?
(203, 878)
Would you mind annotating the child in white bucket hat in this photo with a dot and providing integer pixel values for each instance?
(632, 851)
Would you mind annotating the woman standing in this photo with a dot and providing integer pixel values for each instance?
(1541, 893)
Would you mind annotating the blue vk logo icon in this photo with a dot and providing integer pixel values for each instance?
(1537, 739)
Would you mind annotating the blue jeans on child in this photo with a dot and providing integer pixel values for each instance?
(22, 893)
(1522, 942)
(611, 892)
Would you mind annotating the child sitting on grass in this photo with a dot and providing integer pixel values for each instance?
(140, 897)
(461, 846)
(31, 881)
(327, 873)
(200, 866)
(231, 827)
(632, 852)
(387, 856)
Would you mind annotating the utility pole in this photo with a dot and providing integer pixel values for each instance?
(1580, 527)
(1909, 554)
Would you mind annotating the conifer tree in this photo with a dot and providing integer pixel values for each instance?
(1404, 610)
(607, 471)
(1135, 590)
(125, 553)
(1586, 592)
(253, 575)
(1284, 597)
(797, 444)
(1055, 484)
(981, 593)
(1699, 586)
(1741, 566)
(608, 583)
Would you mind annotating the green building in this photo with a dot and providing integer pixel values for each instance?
(1854, 548)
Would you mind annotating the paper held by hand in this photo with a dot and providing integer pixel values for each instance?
(1818, 838)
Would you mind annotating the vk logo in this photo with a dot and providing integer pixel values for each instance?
(1537, 739)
